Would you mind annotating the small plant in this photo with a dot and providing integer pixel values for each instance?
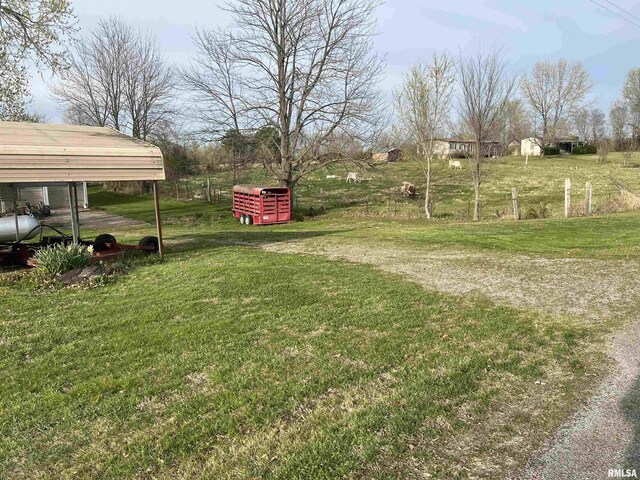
(550, 151)
(542, 211)
(58, 259)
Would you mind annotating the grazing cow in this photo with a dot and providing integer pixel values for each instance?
(408, 190)
(354, 177)
(455, 164)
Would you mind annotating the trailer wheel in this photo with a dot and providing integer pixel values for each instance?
(152, 243)
(248, 220)
(242, 219)
(102, 241)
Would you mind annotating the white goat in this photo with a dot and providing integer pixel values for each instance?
(455, 164)
(354, 177)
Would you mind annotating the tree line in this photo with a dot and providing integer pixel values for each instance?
(294, 85)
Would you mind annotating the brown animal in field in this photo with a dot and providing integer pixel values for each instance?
(408, 190)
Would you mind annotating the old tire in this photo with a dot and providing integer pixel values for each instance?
(152, 243)
(102, 242)
(248, 220)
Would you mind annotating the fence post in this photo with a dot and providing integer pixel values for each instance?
(516, 205)
(177, 191)
(526, 160)
(567, 197)
(186, 188)
(208, 190)
(587, 198)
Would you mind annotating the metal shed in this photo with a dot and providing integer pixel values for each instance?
(34, 153)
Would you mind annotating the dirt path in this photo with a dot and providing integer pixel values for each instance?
(592, 289)
(605, 433)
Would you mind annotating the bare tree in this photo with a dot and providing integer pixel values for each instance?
(485, 89)
(303, 66)
(554, 93)
(214, 83)
(598, 124)
(29, 30)
(631, 95)
(582, 123)
(590, 124)
(516, 125)
(619, 121)
(423, 109)
(117, 78)
(148, 84)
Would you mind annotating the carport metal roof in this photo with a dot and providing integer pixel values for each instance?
(34, 153)
(42, 153)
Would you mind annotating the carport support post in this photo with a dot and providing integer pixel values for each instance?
(75, 203)
(156, 203)
(73, 208)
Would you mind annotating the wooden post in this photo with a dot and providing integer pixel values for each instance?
(156, 204)
(526, 160)
(208, 190)
(587, 198)
(186, 188)
(177, 191)
(516, 205)
(567, 197)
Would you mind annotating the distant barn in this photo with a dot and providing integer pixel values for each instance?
(387, 155)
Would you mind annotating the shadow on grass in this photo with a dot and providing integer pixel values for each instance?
(631, 409)
(203, 241)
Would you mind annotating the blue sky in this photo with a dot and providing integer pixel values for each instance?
(411, 29)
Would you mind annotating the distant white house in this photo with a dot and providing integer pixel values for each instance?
(530, 146)
(459, 147)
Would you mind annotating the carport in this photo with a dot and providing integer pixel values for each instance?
(34, 153)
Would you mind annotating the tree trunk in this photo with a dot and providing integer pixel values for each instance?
(476, 203)
(476, 184)
(427, 206)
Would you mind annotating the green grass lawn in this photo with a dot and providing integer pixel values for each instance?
(228, 361)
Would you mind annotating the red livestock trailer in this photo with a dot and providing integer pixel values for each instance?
(253, 204)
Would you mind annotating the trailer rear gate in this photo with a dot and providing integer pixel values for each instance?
(264, 205)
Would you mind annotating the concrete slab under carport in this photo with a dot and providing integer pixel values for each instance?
(92, 219)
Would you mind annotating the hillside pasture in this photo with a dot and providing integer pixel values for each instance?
(540, 187)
